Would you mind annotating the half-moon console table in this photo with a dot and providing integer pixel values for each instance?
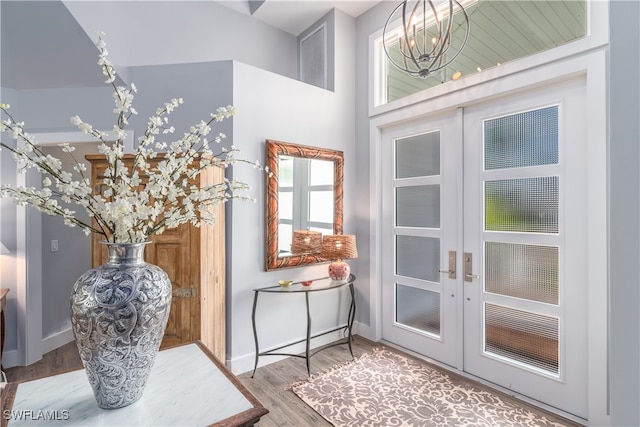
(318, 285)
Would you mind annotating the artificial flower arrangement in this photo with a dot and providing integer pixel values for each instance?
(123, 213)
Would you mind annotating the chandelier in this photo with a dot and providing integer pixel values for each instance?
(424, 44)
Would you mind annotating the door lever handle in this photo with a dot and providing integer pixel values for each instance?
(472, 276)
(452, 265)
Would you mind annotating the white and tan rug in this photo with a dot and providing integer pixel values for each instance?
(384, 388)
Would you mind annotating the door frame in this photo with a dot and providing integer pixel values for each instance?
(593, 66)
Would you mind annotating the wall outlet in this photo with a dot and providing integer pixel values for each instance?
(54, 246)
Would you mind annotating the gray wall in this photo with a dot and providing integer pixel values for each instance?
(60, 269)
(169, 32)
(50, 110)
(367, 24)
(7, 229)
(204, 86)
(624, 209)
(273, 107)
(329, 21)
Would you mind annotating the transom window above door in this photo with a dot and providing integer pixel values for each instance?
(500, 31)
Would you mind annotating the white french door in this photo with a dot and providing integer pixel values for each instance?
(421, 210)
(422, 216)
(484, 242)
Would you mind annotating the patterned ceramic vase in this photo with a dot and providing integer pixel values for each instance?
(119, 312)
(339, 270)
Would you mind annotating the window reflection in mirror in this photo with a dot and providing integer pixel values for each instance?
(305, 195)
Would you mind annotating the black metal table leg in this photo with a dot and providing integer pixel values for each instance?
(308, 344)
(255, 332)
(351, 316)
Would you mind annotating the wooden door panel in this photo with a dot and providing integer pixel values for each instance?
(171, 252)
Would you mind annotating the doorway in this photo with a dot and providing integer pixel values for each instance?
(484, 241)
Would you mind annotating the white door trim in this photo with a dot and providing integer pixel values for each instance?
(593, 65)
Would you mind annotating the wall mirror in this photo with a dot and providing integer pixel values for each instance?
(303, 198)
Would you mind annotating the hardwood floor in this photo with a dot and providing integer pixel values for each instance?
(62, 359)
(269, 384)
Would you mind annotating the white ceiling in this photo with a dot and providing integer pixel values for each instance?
(295, 16)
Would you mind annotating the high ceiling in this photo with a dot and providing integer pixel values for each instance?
(296, 16)
(45, 41)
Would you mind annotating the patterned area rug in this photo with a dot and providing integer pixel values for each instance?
(384, 388)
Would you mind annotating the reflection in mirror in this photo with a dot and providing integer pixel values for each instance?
(305, 195)
(304, 201)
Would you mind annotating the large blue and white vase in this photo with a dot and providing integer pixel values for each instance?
(119, 312)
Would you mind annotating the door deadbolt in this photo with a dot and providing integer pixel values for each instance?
(468, 268)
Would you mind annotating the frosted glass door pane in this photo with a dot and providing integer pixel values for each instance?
(520, 140)
(418, 257)
(418, 206)
(418, 156)
(522, 271)
(418, 308)
(525, 337)
(524, 205)
(519, 270)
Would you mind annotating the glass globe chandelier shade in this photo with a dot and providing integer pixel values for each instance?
(424, 43)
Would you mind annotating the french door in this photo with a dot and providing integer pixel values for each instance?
(484, 242)
(422, 222)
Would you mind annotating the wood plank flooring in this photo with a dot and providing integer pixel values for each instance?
(269, 384)
(62, 359)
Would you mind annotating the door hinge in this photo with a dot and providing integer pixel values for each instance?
(185, 293)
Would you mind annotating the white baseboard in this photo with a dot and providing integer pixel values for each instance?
(364, 331)
(57, 340)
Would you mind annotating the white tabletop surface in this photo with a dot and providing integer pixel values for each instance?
(185, 388)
